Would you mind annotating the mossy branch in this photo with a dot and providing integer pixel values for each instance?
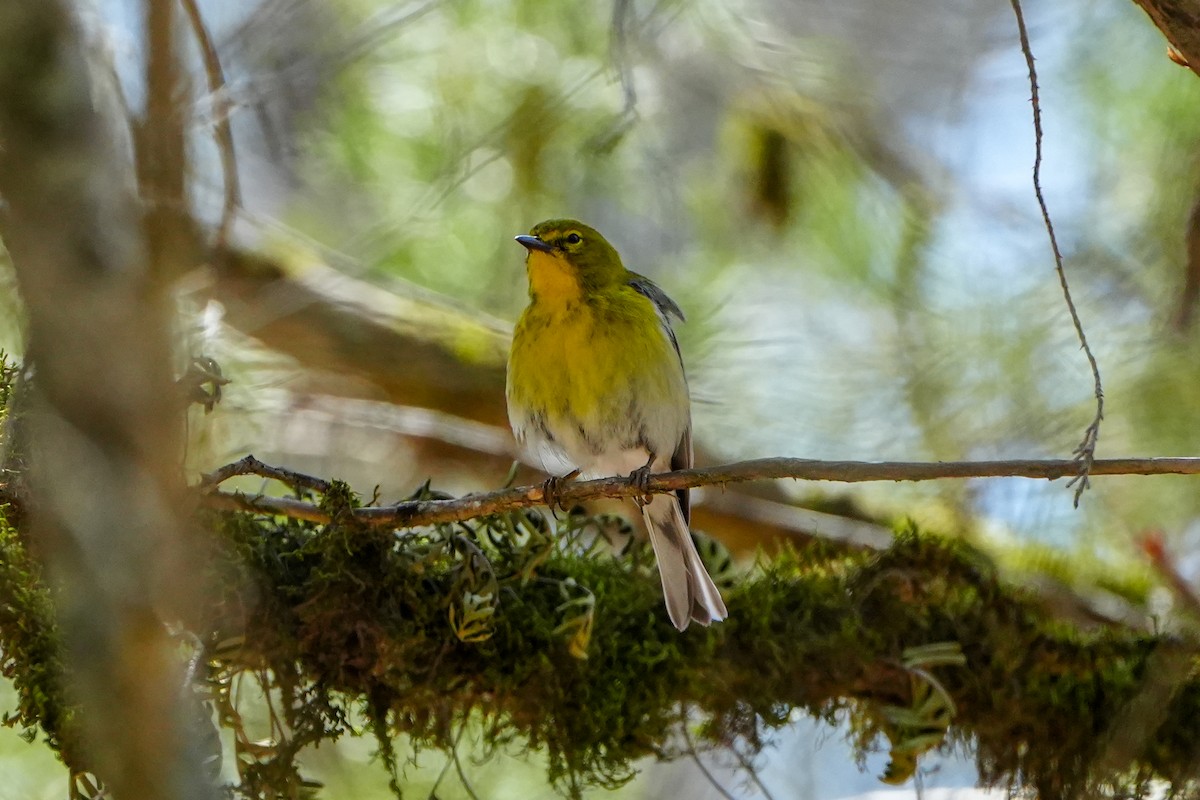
(538, 636)
(567, 649)
(416, 513)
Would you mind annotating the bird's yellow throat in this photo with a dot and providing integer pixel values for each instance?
(552, 279)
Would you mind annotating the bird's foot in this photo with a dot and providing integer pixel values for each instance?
(640, 479)
(552, 489)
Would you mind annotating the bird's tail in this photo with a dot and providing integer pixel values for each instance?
(689, 591)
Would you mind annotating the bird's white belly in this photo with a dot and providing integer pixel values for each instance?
(616, 440)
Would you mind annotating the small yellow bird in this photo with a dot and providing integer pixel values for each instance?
(596, 383)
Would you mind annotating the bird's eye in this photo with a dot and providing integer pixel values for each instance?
(573, 238)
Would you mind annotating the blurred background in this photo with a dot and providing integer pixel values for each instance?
(837, 193)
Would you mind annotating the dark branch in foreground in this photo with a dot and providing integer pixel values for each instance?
(415, 513)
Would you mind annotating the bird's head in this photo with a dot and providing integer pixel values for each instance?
(568, 260)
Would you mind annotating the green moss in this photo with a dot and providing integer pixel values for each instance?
(8, 382)
(372, 615)
(30, 650)
(549, 642)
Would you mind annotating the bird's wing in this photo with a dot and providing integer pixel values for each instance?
(657, 296)
(665, 306)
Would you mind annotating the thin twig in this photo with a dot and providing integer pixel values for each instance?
(381, 28)
(462, 775)
(623, 16)
(1085, 453)
(222, 130)
(712, 779)
(452, 760)
(620, 56)
(414, 513)
(752, 772)
(252, 466)
(440, 777)
(261, 504)
(278, 731)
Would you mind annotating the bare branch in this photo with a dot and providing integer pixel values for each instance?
(1085, 453)
(252, 466)
(279, 506)
(1176, 19)
(414, 513)
(222, 130)
(160, 146)
(748, 766)
(410, 347)
(704, 770)
(620, 53)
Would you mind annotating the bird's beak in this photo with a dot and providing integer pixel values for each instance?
(533, 243)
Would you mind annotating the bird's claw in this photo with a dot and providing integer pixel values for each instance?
(552, 489)
(640, 479)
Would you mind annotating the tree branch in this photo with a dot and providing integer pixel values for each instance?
(414, 513)
(100, 424)
(415, 350)
(252, 466)
(1179, 21)
(222, 130)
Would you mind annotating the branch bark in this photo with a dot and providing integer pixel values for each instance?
(1179, 21)
(416, 513)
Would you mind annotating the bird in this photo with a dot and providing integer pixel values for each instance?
(596, 383)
